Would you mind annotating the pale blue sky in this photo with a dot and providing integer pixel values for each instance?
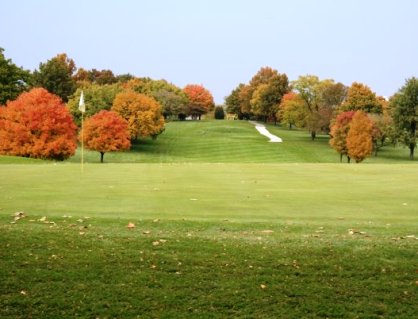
(220, 43)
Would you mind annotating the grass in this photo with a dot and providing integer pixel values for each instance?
(229, 142)
(212, 241)
(227, 226)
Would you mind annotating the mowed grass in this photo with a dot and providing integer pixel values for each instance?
(214, 141)
(211, 241)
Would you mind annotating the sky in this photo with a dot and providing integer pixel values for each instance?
(220, 43)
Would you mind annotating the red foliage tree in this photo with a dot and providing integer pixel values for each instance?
(339, 132)
(200, 100)
(37, 124)
(106, 131)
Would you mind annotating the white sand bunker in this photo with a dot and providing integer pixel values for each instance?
(263, 131)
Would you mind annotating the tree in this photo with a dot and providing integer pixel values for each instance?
(219, 113)
(308, 88)
(321, 98)
(142, 112)
(172, 99)
(359, 137)
(405, 106)
(292, 110)
(233, 101)
(96, 98)
(13, 80)
(382, 130)
(37, 124)
(339, 132)
(267, 88)
(106, 132)
(95, 76)
(361, 97)
(200, 100)
(56, 75)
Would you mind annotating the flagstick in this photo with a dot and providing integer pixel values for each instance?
(82, 142)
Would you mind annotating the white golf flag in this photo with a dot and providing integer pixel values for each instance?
(81, 105)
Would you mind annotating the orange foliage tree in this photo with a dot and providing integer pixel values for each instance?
(106, 131)
(200, 100)
(142, 112)
(359, 138)
(339, 132)
(37, 124)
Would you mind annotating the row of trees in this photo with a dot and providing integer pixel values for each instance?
(60, 76)
(325, 105)
(42, 123)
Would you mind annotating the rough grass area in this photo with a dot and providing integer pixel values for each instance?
(211, 241)
(98, 268)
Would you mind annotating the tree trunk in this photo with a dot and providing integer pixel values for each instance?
(101, 157)
(411, 151)
(313, 135)
(341, 157)
(348, 159)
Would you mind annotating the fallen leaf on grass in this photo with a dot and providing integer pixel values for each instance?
(267, 231)
(42, 219)
(131, 225)
(155, 243)
(23, 292)
(193, 199)
(156, 220)
(18, 215)
(146, 232)
(356, 232)
(263, 286)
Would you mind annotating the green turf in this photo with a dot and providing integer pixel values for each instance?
(229, 142)
(221, 231)
(245, 192)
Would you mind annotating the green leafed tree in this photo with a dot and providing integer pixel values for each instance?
(233, 101)
(13, 79)
(96, 98)
(56, 75)
(405, 116)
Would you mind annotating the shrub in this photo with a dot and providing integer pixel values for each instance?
(219, 113)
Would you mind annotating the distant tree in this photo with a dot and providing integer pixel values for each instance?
(104, 132)
(321, 97)
(382, 130)
(142, 112)
(200, 100)
(219, 113)
(267, 88)
(405, 106)
(245, 95)
(13, 79)
(359, 137)
(172, 99)
(308, 88)
(233, 101)
(123, 78)
(96, 98)
(292, 111)
(361, 97)
(56, 75)
(37, 124)
(339, 132)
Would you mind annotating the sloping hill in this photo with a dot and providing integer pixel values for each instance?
(230, 142)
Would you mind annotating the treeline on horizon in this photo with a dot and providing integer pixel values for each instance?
(358, 121)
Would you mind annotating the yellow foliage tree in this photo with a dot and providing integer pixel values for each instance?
(359, 138)
(142, 112)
